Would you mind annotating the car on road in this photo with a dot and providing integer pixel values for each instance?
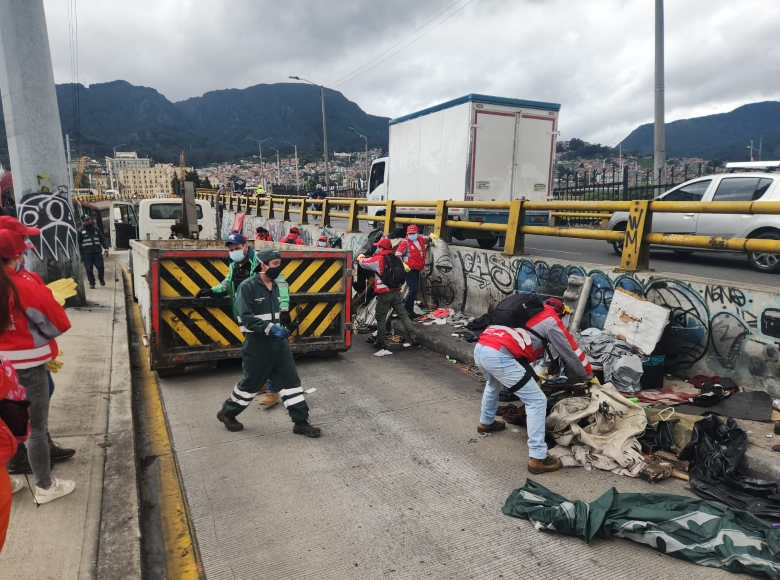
(740, 184)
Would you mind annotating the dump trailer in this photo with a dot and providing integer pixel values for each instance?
(182, 330)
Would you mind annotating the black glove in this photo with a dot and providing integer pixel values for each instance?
(284, 318)
(204, 293)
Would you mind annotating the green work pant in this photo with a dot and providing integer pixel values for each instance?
(384, 303)
(266, 358)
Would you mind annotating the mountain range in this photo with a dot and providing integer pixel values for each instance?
(210, 128)
(723, 137)
(214, 127)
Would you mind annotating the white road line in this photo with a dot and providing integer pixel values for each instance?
(555, 251)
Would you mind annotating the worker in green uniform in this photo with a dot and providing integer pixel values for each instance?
(265, 353)
(243, 261)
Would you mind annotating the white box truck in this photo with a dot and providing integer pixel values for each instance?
(475, 148)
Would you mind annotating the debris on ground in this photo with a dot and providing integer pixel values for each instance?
(694, 530)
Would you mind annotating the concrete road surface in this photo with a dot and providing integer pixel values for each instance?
(396, 487)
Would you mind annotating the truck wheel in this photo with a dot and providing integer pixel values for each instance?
(487, 243)
(618, 246)
(763, 261)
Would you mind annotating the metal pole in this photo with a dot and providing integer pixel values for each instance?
(35, 142)
(297, 170)
(70, 164)
(659, 133)
(365, 175)
(325, 136)
(262, 165)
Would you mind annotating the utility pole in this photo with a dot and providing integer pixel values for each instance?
(324, 127)
(297, 171)
(659, 132)
(70, 165)
(278, 174)
(365, 176)
(35, 143)
(262, 165)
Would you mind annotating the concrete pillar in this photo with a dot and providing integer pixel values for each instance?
(35, 143)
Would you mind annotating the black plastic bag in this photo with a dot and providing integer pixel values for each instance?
(716, 451)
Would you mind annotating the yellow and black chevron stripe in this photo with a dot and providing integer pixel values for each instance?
(186, 322)
(316, 296)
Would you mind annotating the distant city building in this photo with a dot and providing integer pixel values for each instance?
(131, 174)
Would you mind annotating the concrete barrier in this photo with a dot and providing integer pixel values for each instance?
(716, 328)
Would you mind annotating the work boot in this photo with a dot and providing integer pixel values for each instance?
(269, 400)
(19, 464)
(230, 422)
(494, 426)
(91, 286)
(102, 282)
(59, 453)
(306, 428)
(546, 465)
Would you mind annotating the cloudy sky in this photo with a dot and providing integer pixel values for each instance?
(594, 57)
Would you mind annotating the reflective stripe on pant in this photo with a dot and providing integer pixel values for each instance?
(502, 370)
(263, 358)
(412, 285)
(392, 301)
(95, 260)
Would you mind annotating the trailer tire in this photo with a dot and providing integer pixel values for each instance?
(487, 243)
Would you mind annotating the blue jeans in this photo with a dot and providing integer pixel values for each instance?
(502, 370)
(93, 260)
(270, 387)
(412, 285)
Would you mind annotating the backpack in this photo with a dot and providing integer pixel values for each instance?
(514, 311)
(393, 274)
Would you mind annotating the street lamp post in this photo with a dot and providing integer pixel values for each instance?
(365, 175)
(278, 172)
(262, 166)
(297, 171)
(324, 127)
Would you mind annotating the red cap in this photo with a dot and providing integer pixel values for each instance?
(384, 243)
(411, 229)
(8, 222)
(295, 230)
(322, 239)
(12, 244)
(555, 303)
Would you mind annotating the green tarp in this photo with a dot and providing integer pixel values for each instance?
(695, 530)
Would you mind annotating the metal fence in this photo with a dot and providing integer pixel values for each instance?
(333, 190)
(609, 184)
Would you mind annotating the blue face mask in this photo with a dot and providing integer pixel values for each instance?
(321, 244)
(237, 256)
(413, 237)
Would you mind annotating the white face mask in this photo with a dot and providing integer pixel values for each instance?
(237, 256)
(321, 244)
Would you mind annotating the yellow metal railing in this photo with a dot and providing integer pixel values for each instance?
(637, 238)
(124, 197)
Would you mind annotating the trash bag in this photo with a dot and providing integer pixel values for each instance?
(716, 451)
(660, 437)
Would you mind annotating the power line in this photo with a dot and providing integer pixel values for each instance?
(341, 81)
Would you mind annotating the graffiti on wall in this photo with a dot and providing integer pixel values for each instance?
(53, 215)
(720, 325)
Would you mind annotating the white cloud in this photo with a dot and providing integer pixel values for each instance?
(595, 57)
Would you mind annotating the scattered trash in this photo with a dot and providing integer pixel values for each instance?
(441, 321)
(775, 447)
(383, 352)
(428, 323)
(768, 435)
(478, 437)
(636, 321)
(518, 431)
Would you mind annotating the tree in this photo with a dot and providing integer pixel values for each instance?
(576, 144)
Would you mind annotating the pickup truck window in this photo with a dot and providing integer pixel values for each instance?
(169, 211)
(742, 188)
(692, 192)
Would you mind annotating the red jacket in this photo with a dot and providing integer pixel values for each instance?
(266, 237)
(412, 252)
(376, 264)
(291, 239)
(8, 382)
(36, 321)
(522, 344)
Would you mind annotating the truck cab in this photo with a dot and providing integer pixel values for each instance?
(156, 216)
(377, 182)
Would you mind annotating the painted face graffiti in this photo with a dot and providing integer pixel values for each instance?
(53, 215)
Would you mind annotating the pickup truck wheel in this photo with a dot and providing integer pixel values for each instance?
(618, 246)
(763, 261)
(487, 243)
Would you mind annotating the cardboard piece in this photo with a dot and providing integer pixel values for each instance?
(636, 321)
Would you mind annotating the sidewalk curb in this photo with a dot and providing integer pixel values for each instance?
(759, 462)
(119, 541)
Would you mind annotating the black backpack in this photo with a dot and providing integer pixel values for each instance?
(514, 311)
(393, 274)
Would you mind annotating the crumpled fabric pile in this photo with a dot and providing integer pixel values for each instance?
(622, 366)
(598, 430)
